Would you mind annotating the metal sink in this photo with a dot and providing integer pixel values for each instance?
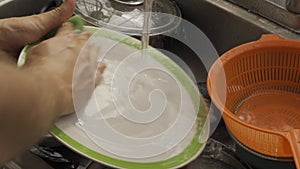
(228, 25)
(224, 23)
(12, 8)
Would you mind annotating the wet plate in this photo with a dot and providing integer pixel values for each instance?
(148, 149)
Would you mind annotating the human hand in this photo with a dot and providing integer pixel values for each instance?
(56, 58)
(17, 32)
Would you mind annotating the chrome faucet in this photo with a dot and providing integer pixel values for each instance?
(293, 6)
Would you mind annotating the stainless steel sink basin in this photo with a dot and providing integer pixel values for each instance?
(11, 8)
(226, 25)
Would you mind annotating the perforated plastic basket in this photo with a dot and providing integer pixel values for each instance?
(257, 87)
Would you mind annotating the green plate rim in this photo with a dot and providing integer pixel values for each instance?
(189, 153)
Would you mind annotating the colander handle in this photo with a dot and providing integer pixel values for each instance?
(294, 140)
(270, 37)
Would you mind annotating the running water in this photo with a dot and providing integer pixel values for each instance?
(147, 23)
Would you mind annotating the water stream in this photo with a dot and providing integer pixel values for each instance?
(147, 23)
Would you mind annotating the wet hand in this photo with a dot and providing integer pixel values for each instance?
(17, 32)
(56, 59)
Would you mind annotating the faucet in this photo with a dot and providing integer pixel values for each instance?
(293, 6)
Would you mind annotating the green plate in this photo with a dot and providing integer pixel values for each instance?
(69, 133)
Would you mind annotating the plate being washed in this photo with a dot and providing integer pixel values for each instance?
(149, 148)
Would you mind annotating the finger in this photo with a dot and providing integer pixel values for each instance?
(98, 77)
(99, 73)
(31, 28)
(101, 67)
(84, 74)
(67, 28)
(82, 39)
(84, 36)
(49, 20)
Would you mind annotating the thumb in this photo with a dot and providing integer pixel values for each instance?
(47, 21)
(25, 30)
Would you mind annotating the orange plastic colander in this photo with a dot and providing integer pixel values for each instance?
(257, 87)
